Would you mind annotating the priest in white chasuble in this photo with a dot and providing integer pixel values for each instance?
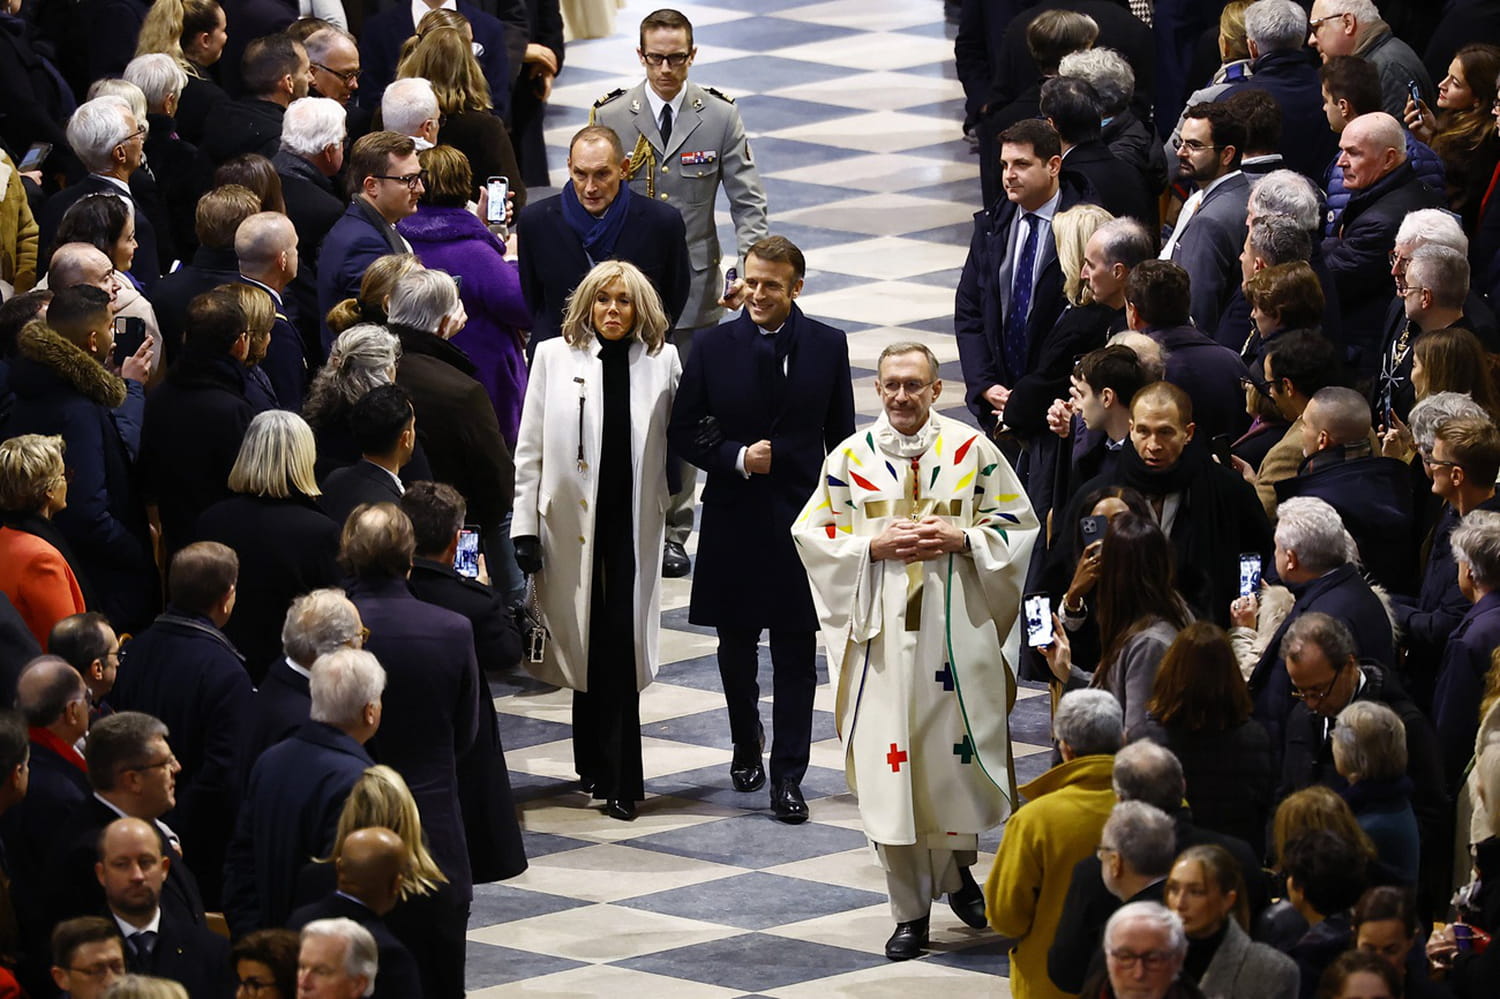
(916, 545)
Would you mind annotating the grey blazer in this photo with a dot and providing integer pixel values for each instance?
(1244, 969)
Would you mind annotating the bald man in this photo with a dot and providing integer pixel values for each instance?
(1372, 154)
(1370, 492)
(266, 247)
(372, 868)
(132, 870)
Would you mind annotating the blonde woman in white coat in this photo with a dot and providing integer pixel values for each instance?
(591, 492)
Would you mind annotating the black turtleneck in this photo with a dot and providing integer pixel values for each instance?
(1201, 951)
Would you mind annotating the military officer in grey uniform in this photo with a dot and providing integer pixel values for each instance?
(686, 140)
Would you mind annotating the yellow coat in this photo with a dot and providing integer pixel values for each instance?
(18, 230)
(1058, 826)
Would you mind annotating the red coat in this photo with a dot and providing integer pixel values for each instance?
(38, 581)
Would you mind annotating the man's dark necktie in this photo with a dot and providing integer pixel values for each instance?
(666, 125)
(769, 360)
(142, 945)
(1020, 301)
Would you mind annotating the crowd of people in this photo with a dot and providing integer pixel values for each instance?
(310, 424)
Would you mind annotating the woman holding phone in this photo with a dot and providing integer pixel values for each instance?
(1462, 131)
(591, 492)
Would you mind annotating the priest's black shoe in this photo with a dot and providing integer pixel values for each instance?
(745, 770)
(617, 808)
(908, 940)
(674, 561)
(788, 804)
(968, 902)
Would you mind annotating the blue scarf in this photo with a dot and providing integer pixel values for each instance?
(599, 235)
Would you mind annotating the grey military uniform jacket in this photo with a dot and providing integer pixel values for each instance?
(708, 147)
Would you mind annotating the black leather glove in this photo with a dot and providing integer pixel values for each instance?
(528, 553)
(709, 435)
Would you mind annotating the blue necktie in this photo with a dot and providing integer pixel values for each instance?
(1020, 301)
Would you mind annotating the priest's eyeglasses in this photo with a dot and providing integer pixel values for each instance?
(893, 388)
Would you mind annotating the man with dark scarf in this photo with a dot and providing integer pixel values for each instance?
(1210, 514)
(597, 217)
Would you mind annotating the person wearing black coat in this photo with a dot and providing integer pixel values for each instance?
(1461, 679)
(314, 206)
(172, 160)
(1290, 76)
(1229, 777)
(1079, 330)
(17, 645)
(380, 43)
(37, 101)
(214, 263)
(1210, 374)
(248, 20)
(362, 482)
(249, 125)
(148, 266)
(183, 671)
(113, 26)
(398, 976)
(1075, 109)
(1392, 389)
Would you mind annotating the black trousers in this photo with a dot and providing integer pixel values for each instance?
(794, 679)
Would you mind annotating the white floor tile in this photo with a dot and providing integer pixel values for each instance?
(610, 872)
(896, 90)
(602, 933)
(888, 258)
(875, 131)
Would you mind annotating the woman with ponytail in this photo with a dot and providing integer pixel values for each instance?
(193, 33)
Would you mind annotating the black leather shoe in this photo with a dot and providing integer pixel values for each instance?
(908, 940)
(674, 561)
(968, 902)
(787, 802)
(617, 808)
(745, 771)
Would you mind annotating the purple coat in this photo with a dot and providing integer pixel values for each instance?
(453, 240)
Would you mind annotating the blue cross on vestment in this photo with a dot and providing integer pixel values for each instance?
(944, 676)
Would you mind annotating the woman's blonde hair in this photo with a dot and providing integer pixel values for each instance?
(650, 319)
(30, 465)
(1072, 230)
(256, 306)
(450, 179)
(276, 458)
(145, 987)
(1314, 808)
(442, 17)
(445, 58)
(380, 277)
(168, 22)
(381, 798)
(1233, 44)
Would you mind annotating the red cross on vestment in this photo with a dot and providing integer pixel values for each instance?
(895, 758)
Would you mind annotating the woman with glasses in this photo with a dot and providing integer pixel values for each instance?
(34, 574)
(445, 56)
(265, 965)
(1207, 891)
(591, 488)
(286, 544)
(1462, 130)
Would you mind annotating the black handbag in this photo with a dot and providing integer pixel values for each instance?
(529, 624)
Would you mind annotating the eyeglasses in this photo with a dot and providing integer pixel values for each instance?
(1317, 693)
(412, 180)
(1154, 960)
(116, 968)
(170, 761)
(1317, 22)
(674, 59)
(910, 388)
(348, 76)
(139, 133)
(1192, 145)
(1431, 462)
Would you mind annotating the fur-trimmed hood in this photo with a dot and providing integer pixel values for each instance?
(41, 344)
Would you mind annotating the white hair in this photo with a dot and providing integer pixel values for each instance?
(317, 623)
(96, 128)
(1286, 192)
(1090, 722)
(113, 86)
(1152, 355)
(1364, 11)
(321, 43)
(158, 76)
(1443, 271)
(1107, 71)
(343, 682)
(311, 125)
(422, 299)
(1476, 541)
(407, 103)
(1163, 919)
(1429, 414)
(361, 956)
(1432, 225)
(1275, 25)
(1313, 529)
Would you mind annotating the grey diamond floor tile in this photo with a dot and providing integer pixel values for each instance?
(754, 961)
(486, 965)
(755, 901)
(738, 842)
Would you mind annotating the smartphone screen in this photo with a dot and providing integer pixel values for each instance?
(1249, 574)
(466, 559)
(34, 157)
(1219, 447)
(498, 188)
(730, 277)
(1038, 608)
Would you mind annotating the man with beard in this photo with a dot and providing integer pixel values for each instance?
(132, 869)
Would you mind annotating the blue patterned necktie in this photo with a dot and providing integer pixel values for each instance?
(1020, 301)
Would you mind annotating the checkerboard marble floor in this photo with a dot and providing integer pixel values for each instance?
(854, 123)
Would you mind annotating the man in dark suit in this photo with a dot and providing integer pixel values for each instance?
(132, 870)
(383, 34)
(216, 219)
(17, 644)
(313, 134)
(432, 718)
(384, 426)
(133, 773)
(371, 866)
(760, 404)
(1210, 231)
(183, 671)
(267, 247)
(1276, 34)
(1466, 659)
(1073, 108)
(276, 72)
(385, 179)
(1156, 303)
(317, 623)
(105, 136)
(54, 701)
(597, 217)
(290, 811)
(248, 20)
(1010, 294)
(87, 956)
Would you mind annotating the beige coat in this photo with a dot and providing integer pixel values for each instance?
(555, 497)
(18, 230)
